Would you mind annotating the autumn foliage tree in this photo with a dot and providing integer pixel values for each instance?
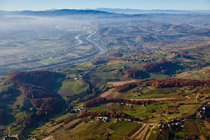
(33, 92)
(134, 73)
(166, 67)
(99, 61)
(126, 87)
(164, 83)
(49, 105)
(45, 79)
(111, 113)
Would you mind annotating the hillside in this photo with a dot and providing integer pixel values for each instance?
(25, 93)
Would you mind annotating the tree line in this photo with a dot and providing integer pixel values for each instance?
(101, 100)
(164, 83)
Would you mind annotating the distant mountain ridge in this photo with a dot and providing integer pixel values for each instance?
(100, 11)
(137, 11)
(60, 12)
(70, 12)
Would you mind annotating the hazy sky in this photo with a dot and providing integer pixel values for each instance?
(92, 4)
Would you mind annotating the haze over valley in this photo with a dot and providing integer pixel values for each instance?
(30, 41)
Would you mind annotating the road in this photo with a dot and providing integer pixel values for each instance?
(9, 131)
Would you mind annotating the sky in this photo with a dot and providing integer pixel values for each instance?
(94, 4)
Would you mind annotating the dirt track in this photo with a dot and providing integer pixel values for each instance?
(157, 99)
(115, 84)
(105, 94)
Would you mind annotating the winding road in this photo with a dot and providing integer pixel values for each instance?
(9, 135)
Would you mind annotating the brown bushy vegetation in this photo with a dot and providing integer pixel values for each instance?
(126, 87)
(45, 79)
(50, 104)
(102, 100)
(99, 61)
(156, 66)
(134, 73)
(166, 67)
(32, 92)
(175, 82)
(164, 83)
(112, 114)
